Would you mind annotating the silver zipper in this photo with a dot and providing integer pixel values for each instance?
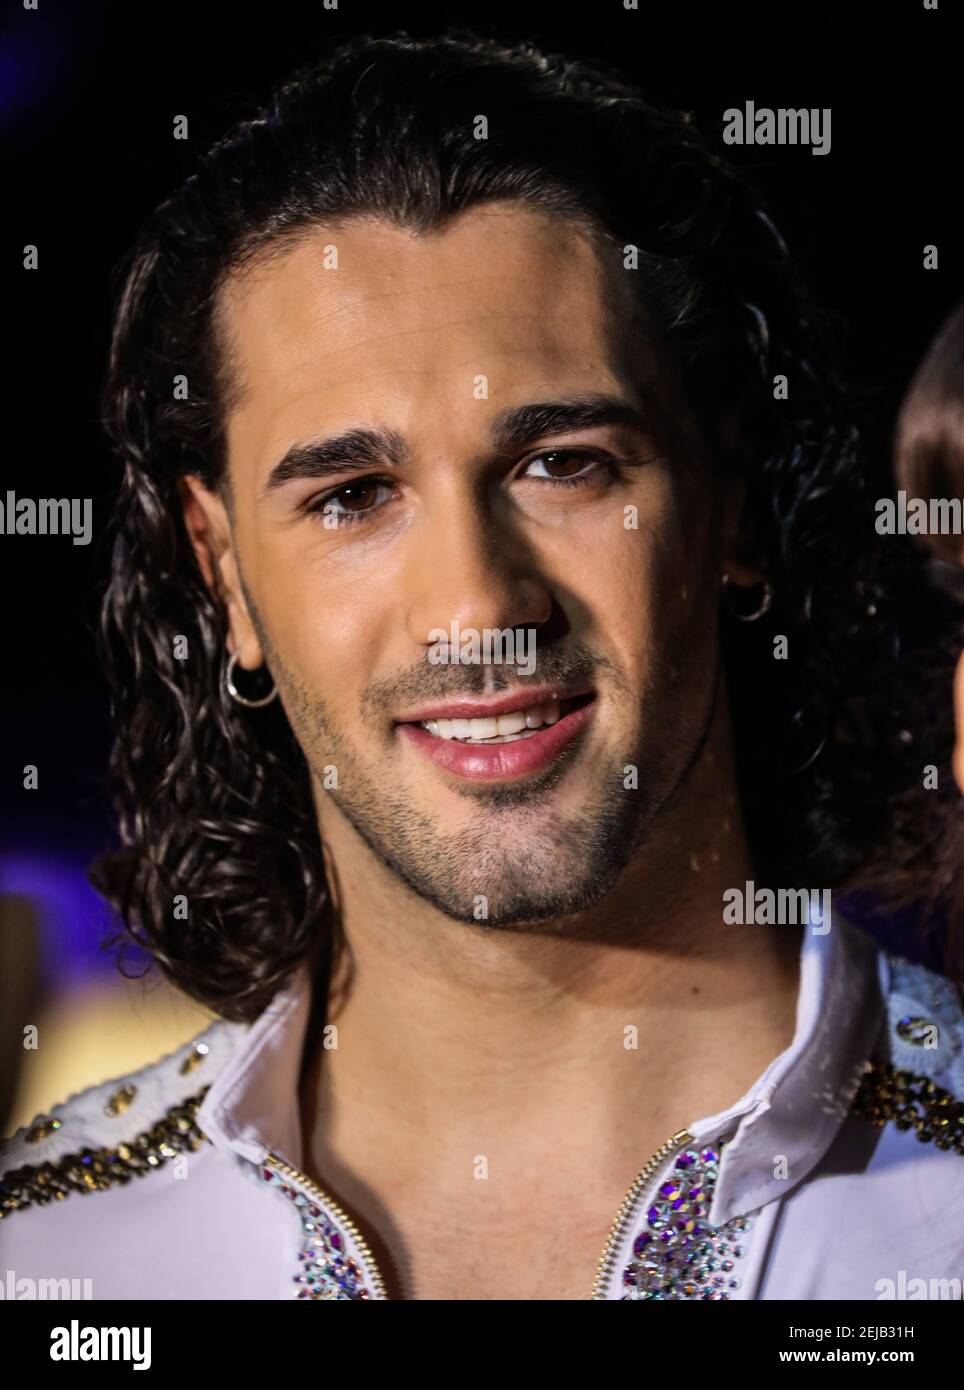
(325, 1199)
(630, 1206)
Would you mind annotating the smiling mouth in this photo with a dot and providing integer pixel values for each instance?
(510, 727)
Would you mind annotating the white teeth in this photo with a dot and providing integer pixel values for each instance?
(485, 728)
(512, 723)
(503, 727)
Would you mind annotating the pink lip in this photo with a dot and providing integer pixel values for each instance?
(500, 704)
(499, 762)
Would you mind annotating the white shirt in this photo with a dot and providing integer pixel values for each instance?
(811, 1199)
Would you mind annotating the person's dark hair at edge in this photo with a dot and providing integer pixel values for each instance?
(929, 439)
(929, 462)
(214, 801)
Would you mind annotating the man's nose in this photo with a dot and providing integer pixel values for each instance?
(468, 566)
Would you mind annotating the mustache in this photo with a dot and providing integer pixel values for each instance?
(572, 661)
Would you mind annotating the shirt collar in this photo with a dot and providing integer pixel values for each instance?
(252, 1105)
(791, 1113)
(784, 1124)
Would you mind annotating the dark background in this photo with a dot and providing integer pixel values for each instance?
(89, 93)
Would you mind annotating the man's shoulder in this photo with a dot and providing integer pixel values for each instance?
(117, 1129)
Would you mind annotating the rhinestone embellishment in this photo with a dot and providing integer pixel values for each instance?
(43, 1129)
(120, 1100)
(917, 1031)
(194, 1058)
(93, 1170)
(911, 1102)
(328, 1273)
(678, 1254)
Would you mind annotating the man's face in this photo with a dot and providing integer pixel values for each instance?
(584, 533)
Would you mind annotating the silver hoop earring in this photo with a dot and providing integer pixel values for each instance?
(757, 612)
(235, 693)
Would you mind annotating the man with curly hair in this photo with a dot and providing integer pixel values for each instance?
(451, 353)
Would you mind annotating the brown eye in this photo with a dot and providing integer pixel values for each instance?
(562, 464)
(352, 501)
(357, 497)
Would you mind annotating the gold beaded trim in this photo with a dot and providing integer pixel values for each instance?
(911, 1102)
(94, 1170)
(120, 1101)
(43, 1129)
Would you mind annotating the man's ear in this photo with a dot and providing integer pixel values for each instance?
(209, 529)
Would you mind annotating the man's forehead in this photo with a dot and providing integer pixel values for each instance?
(499, 279)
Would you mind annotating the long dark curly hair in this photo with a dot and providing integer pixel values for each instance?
(213, 801)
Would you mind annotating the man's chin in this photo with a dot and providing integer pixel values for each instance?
(496, 881)
(518, 905)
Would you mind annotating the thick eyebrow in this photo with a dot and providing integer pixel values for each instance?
(361, 449)
(524, 424)
(356, 450)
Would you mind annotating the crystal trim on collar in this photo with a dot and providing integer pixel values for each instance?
(678, 1254)
(328, 1272)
